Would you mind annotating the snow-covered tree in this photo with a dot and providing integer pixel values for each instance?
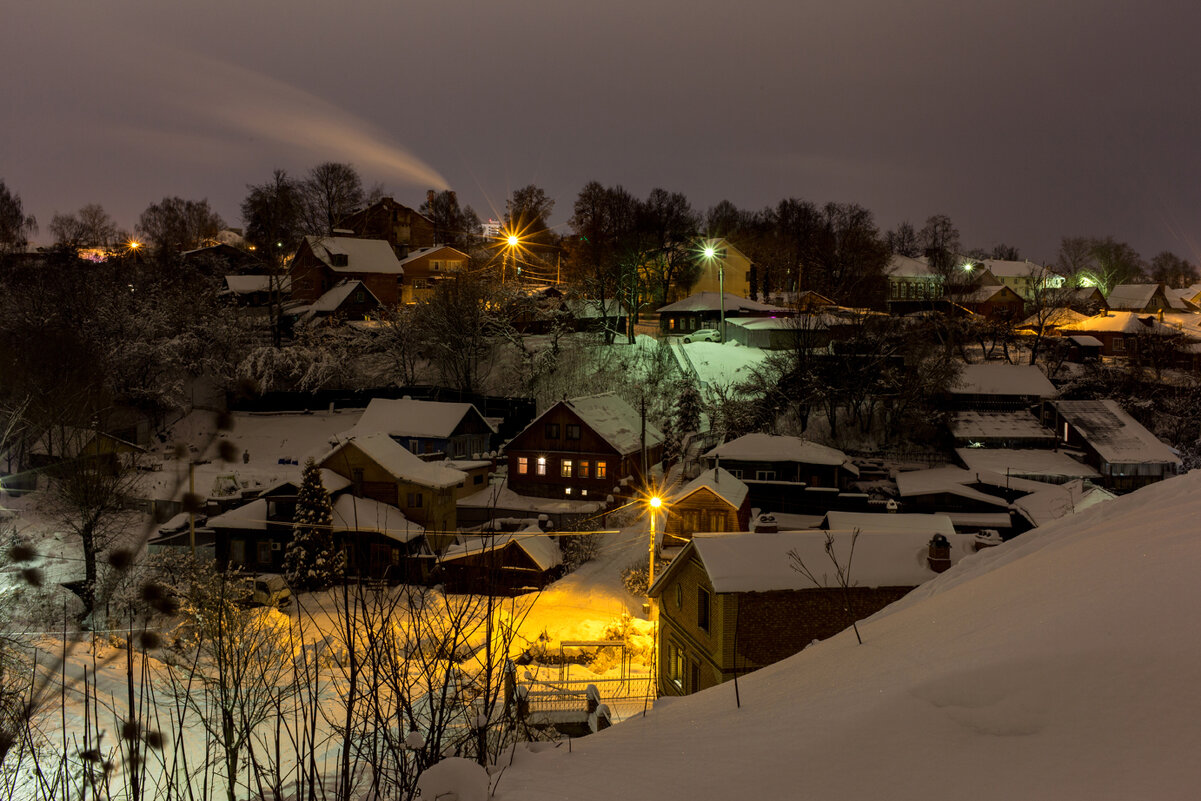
(311, 562)
(688, 408)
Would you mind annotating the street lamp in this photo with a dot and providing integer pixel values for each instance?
(511, 242)
(711, 253)
(654, 502)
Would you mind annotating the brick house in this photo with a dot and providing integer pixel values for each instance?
(400, 226)
(322, 262)
(381, 469)
(425, 267)
(732, 603)
(713, 501)
(582, 449)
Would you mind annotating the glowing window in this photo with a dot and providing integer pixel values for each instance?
(602, 470)
(565, 469)
(523, 465)
(541, 465)
(584, 468)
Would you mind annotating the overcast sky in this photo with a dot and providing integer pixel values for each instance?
(1023, 121)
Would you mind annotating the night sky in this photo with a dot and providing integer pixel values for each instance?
(1024, 121)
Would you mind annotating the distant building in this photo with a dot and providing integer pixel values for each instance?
(714, 501)
(424, 268)
(729, 270)
(1141, 298)
(995, 386)
(704, 310)
(911, 283)
(428, 428)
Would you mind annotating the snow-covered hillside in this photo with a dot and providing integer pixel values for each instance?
(1064, 664)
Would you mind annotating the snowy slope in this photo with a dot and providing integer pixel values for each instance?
(1063, 664)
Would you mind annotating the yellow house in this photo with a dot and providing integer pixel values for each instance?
(425, 267)
(730, 266)
(385, 471)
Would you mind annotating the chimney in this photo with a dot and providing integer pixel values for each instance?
(766, 524)
(940, 553)
(429, 198)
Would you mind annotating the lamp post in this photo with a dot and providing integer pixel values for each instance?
(711, 253)
(654, 502)
(511, 243)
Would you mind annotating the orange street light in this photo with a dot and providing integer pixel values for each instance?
(654, 502)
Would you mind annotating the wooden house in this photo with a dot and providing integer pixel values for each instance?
(322, 262)
(766, 457)
(994, 301)
(713, 501)
(429, 428)
(425, 267)
(381, 469)
(1139, 298)
(377, 540)
(704, 310)
(581, 449)
(500, 564)
(732, 603)
(348, 300)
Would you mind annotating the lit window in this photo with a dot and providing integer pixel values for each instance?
(567, 490)
(565, 469)
(584, 492)
(584, 468)
(602, 470)
(523, 465)
(541, 465)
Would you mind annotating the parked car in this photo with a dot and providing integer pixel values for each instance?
(269, 590)
(703, 335)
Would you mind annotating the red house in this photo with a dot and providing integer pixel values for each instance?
(322, 262)
(582, 449)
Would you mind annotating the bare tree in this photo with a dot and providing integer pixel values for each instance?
(174, 225)
(840, 581)
(89, 227)
(330, 192)
(15, 224)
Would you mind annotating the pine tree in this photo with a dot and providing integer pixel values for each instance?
(311, 561)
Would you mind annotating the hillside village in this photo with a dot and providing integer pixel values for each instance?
(746, 469)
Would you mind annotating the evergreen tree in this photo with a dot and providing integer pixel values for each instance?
(688, 409)
(311, 562)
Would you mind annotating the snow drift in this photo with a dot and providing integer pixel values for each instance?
(1063, 664)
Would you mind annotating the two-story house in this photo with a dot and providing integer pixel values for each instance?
(425, 267)
(322, 262)
(400, 226)
(582, 449)
(381, 469)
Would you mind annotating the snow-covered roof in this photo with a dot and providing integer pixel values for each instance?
(498, 497)
(949, 480)
(1116, 436)
(335, 296)
(1053, 318)
(755, 562)
(711, 301)
(867, 521)
(985, 293)
(1028, 463)
(331, 481)
(1131, 296)
(1118, 322)
(615, 421)
(365, 514)
(418, 253)
(718, 481)
(906, 267)
(1003, 379)
(251, 516)
(362, 255)
(982, 426)
(246, 284)
(400, 463)
(406, 417)
(772, 448)
(1060, 500)
(1085, 341)
(540, 548)
(1182, 299)
(774, 323)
